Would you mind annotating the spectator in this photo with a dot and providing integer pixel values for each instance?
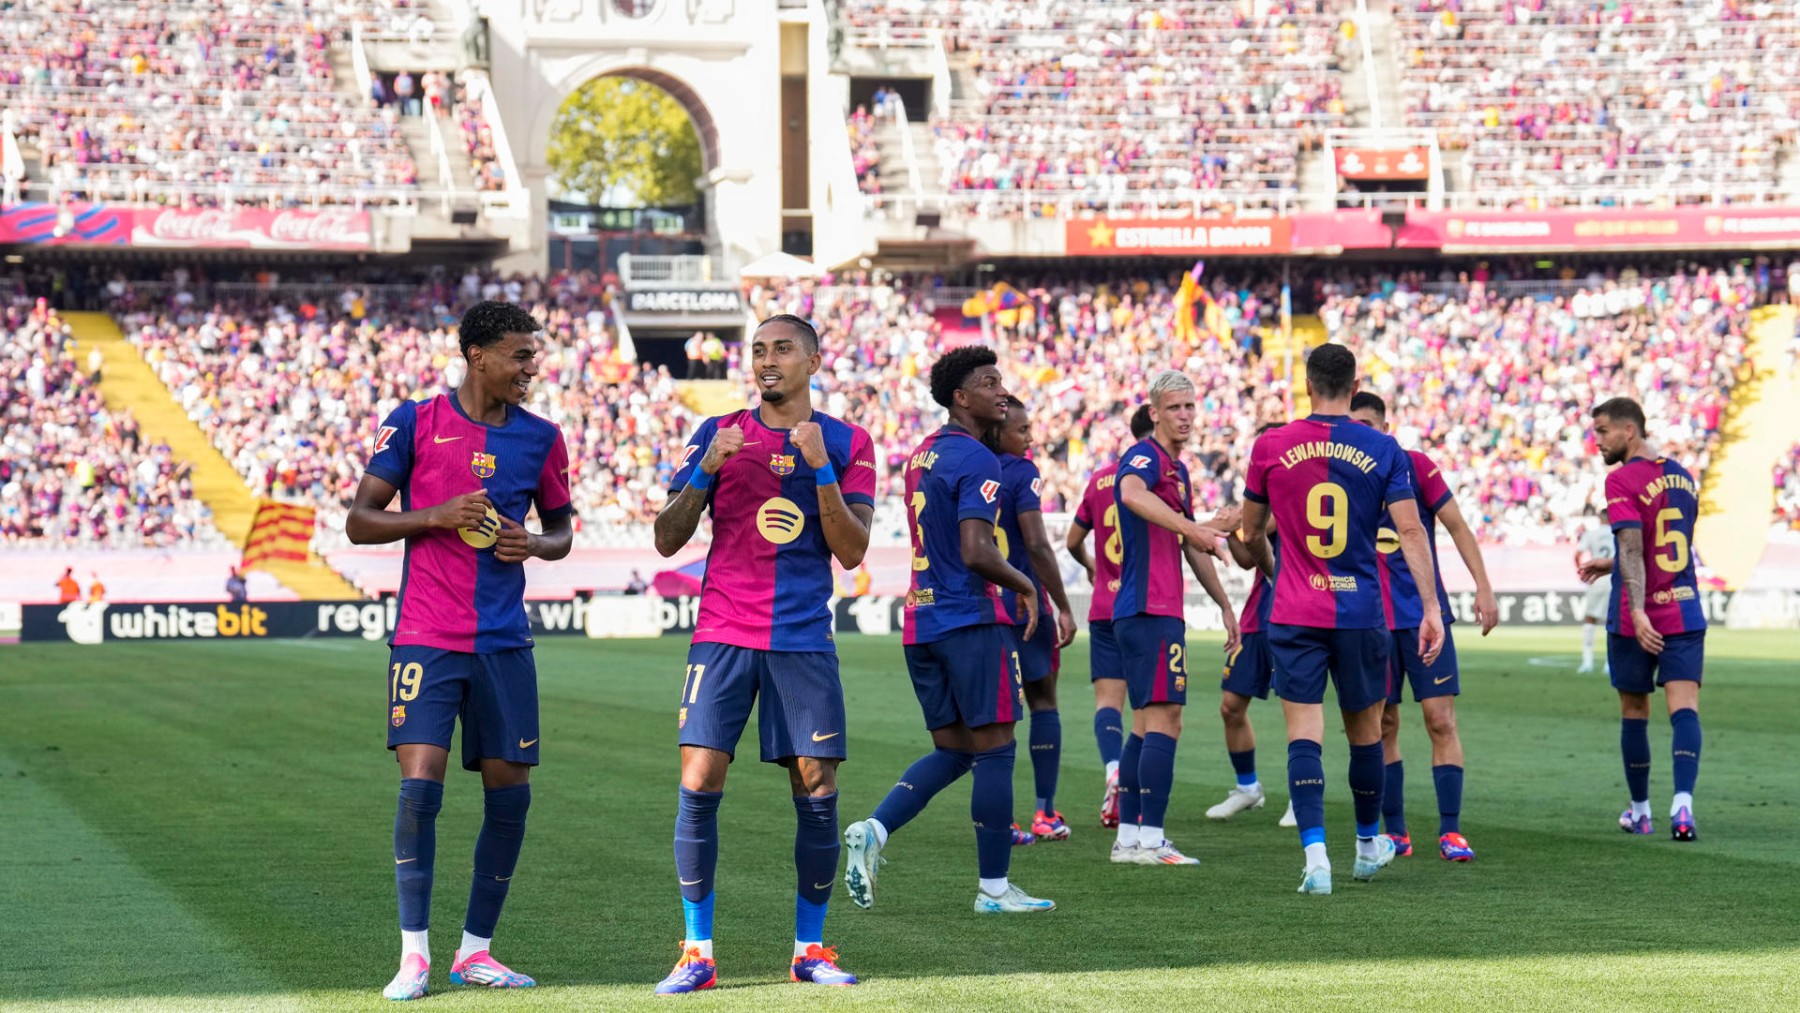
(406, 91)
(636, 584)
(713, 350)
(236, 588)
(696, 356)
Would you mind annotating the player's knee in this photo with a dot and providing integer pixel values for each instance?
(1390, 722)
(1440, 723)
(1234, 710)
(703, 769)
(814, 777)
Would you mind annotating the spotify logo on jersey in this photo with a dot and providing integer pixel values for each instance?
(780, 520)
(485, 534)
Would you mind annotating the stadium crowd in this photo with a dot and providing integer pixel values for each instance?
(196, 104)
(1081, 104)
(1493, 381)
(1787, 491)
(72, 471)
(1566, 101)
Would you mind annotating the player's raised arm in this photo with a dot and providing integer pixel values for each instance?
(680, 516)
(1208, 576)
(370, 522)
(1487, 610)
(1138, 498)
(845, 524)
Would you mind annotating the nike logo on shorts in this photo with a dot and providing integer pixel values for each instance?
(1440, 682)
(527, 745)
(821, 738)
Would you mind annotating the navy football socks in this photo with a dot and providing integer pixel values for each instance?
(415, 849)
(496, 855)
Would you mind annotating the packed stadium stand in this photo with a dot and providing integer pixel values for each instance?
(1069, 105)
(1566, 101)
(200, 104)
(74, 472)
(1787, 491)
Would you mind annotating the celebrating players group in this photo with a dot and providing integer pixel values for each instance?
(1337, 521)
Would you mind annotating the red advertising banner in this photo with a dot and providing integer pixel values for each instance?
(1627, 229)
(1211, 237)
(1384, 164)
(79, 223)
(252, 229)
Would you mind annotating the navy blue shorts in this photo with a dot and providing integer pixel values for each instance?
(1103, 652)
(494, 694)
(1356, 660)
(1248, 671)
(971, 675)
(802, 708)
(1153, 650)
(1039, 657)
(1439, 678)
(1635, 670)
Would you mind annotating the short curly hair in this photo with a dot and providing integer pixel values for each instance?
(488, 323)
(949, 373)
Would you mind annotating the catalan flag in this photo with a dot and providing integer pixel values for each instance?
(280, 532)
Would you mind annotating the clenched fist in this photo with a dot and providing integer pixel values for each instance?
(725, 443)
(466, 511)
(809, 439)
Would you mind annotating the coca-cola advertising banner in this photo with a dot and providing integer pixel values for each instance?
(1378, 164)
(1212, 237)
(80, 223)
(1671, 229)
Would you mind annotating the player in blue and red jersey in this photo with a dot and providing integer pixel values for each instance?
(1436, 685)
(468, 467)
(1099, 513)
(1248, 673)
(959, 638)
(789, 488)
(1026, 547)
(1157, 530)
(1656, 629)
(1326, 480)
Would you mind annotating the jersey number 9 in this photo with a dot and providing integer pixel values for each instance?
(1334, 525)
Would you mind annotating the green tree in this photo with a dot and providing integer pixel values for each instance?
(618, 140)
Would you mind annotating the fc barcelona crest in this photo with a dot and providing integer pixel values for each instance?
(399, 717)
(482, 465)
(781, 464)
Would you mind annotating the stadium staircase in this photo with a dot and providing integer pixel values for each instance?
(127, 381)
(1734, 505)
(1309, 332)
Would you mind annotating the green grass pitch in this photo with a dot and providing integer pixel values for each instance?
(208, 827)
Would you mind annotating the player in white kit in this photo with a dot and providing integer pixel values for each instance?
(1596, 543)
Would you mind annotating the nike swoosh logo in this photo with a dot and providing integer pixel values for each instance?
(689, 882)
(502, 879)
(1440, 682)
(822, 886)
(821, 738)
(445, 439)
(403, 861)
(527, 745)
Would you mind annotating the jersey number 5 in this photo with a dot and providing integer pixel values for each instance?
(1334, 525)
(1676, 561)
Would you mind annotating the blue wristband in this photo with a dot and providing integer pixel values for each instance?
(826, 475)
(699, 480)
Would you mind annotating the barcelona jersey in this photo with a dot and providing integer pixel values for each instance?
(1663, 500)
(768, 581)
(950, 478)
(1150, 581)
(1100, 514)
(454, 595)
(1400, 593)
(1328, 482)
(1020, 492)
(1255, 617)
